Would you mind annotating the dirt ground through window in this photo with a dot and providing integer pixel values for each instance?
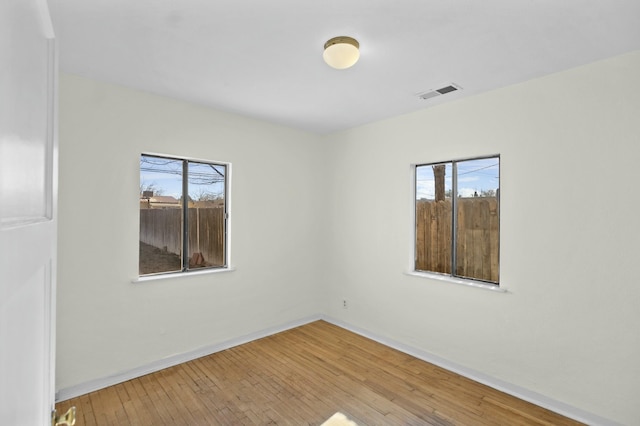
(154, 260)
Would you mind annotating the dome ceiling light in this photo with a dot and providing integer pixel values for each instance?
(341, 52)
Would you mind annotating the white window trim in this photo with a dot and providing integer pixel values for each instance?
(228, 267)
(411, 269)
(171, 275)
(456, 280)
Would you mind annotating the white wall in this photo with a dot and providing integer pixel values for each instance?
(570, 236)
(567, 328)
(106, 323)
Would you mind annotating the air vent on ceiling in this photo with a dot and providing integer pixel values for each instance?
(437, 92)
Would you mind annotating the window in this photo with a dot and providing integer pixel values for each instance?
(183, 215)
(457, 218)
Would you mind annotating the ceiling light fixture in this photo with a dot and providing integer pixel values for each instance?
(341, 52)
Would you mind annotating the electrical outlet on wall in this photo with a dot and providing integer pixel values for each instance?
(344, 303)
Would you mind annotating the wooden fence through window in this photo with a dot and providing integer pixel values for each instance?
(478, 237)
(162, 228)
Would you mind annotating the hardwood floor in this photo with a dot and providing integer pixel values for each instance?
(302, 377)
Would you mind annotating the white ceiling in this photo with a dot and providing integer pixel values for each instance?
(263, 59)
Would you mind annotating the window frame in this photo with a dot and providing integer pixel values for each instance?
(451, 277)
(185, 271)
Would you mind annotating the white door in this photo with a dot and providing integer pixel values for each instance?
(27, 212)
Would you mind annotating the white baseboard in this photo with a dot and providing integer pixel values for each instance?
(97, 384)
(508, 388)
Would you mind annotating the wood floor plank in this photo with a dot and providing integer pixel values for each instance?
(301, 377)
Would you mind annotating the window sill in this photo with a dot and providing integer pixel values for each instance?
(455, 280)
(157, 277)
